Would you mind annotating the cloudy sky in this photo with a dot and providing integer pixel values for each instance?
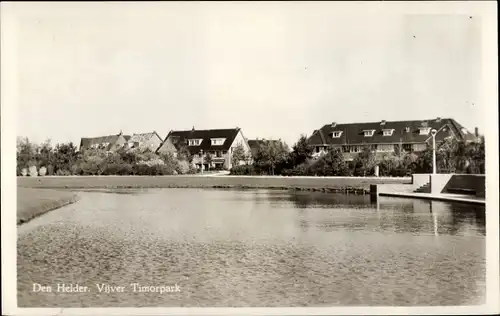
(275, 70)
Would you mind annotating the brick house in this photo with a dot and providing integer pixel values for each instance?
(145, 141)
(108, 143)
(386, 136)
(218, 143)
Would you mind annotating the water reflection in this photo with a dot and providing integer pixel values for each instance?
(394, 214)
(256, 248)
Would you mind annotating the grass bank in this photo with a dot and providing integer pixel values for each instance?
(330, 184)
(35, 202)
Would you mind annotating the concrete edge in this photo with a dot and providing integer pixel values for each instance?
(436, 198)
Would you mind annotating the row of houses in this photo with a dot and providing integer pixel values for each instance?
(351, 138)
(219, 144)
(387, 136)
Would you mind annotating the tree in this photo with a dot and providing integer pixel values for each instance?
(65, 156)
(330, 164)
(26, 154)
(301, 152)
(476, 153)
(45, 156)
(365, 162)
(239, 154)
(270, 155)
(183, 152)
(208, 160)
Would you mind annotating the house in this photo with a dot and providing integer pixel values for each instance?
(108, 143)
(145, 141)
(386, 136)
(256, 143)
(218, 144)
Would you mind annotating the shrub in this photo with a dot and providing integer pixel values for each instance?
(32, 171)
(183, 167)
(42, 171)
(243, 170)
(120, 169)
(330, 164)
(63, 172)
(87, 169)
(301, 170)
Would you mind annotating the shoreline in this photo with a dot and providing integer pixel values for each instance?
(32, 203)
(326, 184)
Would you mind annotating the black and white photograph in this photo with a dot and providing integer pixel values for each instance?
(249, 158)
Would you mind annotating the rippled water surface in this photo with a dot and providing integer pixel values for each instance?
(253, 248)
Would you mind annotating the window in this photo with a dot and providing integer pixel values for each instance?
(336, 134)
(407, 129)
(195, 142)
(407, 147)
(419, 147)
(356, 149)
(224, 152)
(218, 141)
(369, 133)
(385, 148)
(352, 149)
(424, 130)
(388, 132)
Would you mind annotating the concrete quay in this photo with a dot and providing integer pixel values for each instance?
(441, 187)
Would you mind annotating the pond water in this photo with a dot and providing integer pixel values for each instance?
(252, 248)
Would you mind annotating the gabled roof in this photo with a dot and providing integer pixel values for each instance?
(182, 137)
(89, 141)
(143, 137)
(352, 133)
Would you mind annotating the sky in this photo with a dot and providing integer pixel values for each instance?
(277, 70)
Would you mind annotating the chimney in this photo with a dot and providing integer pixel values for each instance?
(382, 122)
(193, 128)
(334, 124)
(476, 131)
(438, 119)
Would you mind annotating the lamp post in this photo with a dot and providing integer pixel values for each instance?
(433, 133)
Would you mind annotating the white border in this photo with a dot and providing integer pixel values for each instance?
(487, 11)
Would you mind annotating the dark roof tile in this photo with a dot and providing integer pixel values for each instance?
(352, 133)
(206, 135)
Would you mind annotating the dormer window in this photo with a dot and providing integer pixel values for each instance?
(336, 134)
(194, 142)
(369, 133)
(424, 130)
(218, 141)
(388, 132)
